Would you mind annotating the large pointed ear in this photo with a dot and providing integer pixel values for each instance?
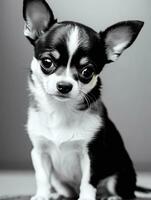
(119, 37)
(38, 18)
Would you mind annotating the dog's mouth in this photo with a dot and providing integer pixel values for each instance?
(62, 97)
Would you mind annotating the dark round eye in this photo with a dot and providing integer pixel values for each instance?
(87, 72)
(47, 66)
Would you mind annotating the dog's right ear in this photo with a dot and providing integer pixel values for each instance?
(38, 18)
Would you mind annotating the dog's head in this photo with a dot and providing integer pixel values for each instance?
(70, 56)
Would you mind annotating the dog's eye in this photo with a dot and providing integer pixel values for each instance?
(87, 72)
(47, 66)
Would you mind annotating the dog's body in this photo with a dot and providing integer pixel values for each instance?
(76, 147)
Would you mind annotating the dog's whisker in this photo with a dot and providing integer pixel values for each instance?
(86, 98)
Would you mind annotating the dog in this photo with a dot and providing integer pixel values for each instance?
(76, 147)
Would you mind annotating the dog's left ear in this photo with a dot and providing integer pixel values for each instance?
(119, 37)
(38, 18)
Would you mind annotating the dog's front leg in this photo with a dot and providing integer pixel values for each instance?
(42, 166)
(87, 191)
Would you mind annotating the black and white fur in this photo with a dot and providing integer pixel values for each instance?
(76, 147)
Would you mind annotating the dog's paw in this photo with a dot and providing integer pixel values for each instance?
(86, 198)
(39, 197)
(114, 198)
(42, 197)
(88, 192)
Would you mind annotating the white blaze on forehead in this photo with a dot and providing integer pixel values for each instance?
(72, 44)
(73, 41)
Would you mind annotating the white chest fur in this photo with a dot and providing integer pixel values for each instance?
(63, 134)
(63, 125)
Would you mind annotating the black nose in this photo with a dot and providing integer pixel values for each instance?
(64, 87)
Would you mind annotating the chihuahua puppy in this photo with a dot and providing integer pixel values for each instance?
(76, 147)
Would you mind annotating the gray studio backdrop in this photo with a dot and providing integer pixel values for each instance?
(127, 83)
